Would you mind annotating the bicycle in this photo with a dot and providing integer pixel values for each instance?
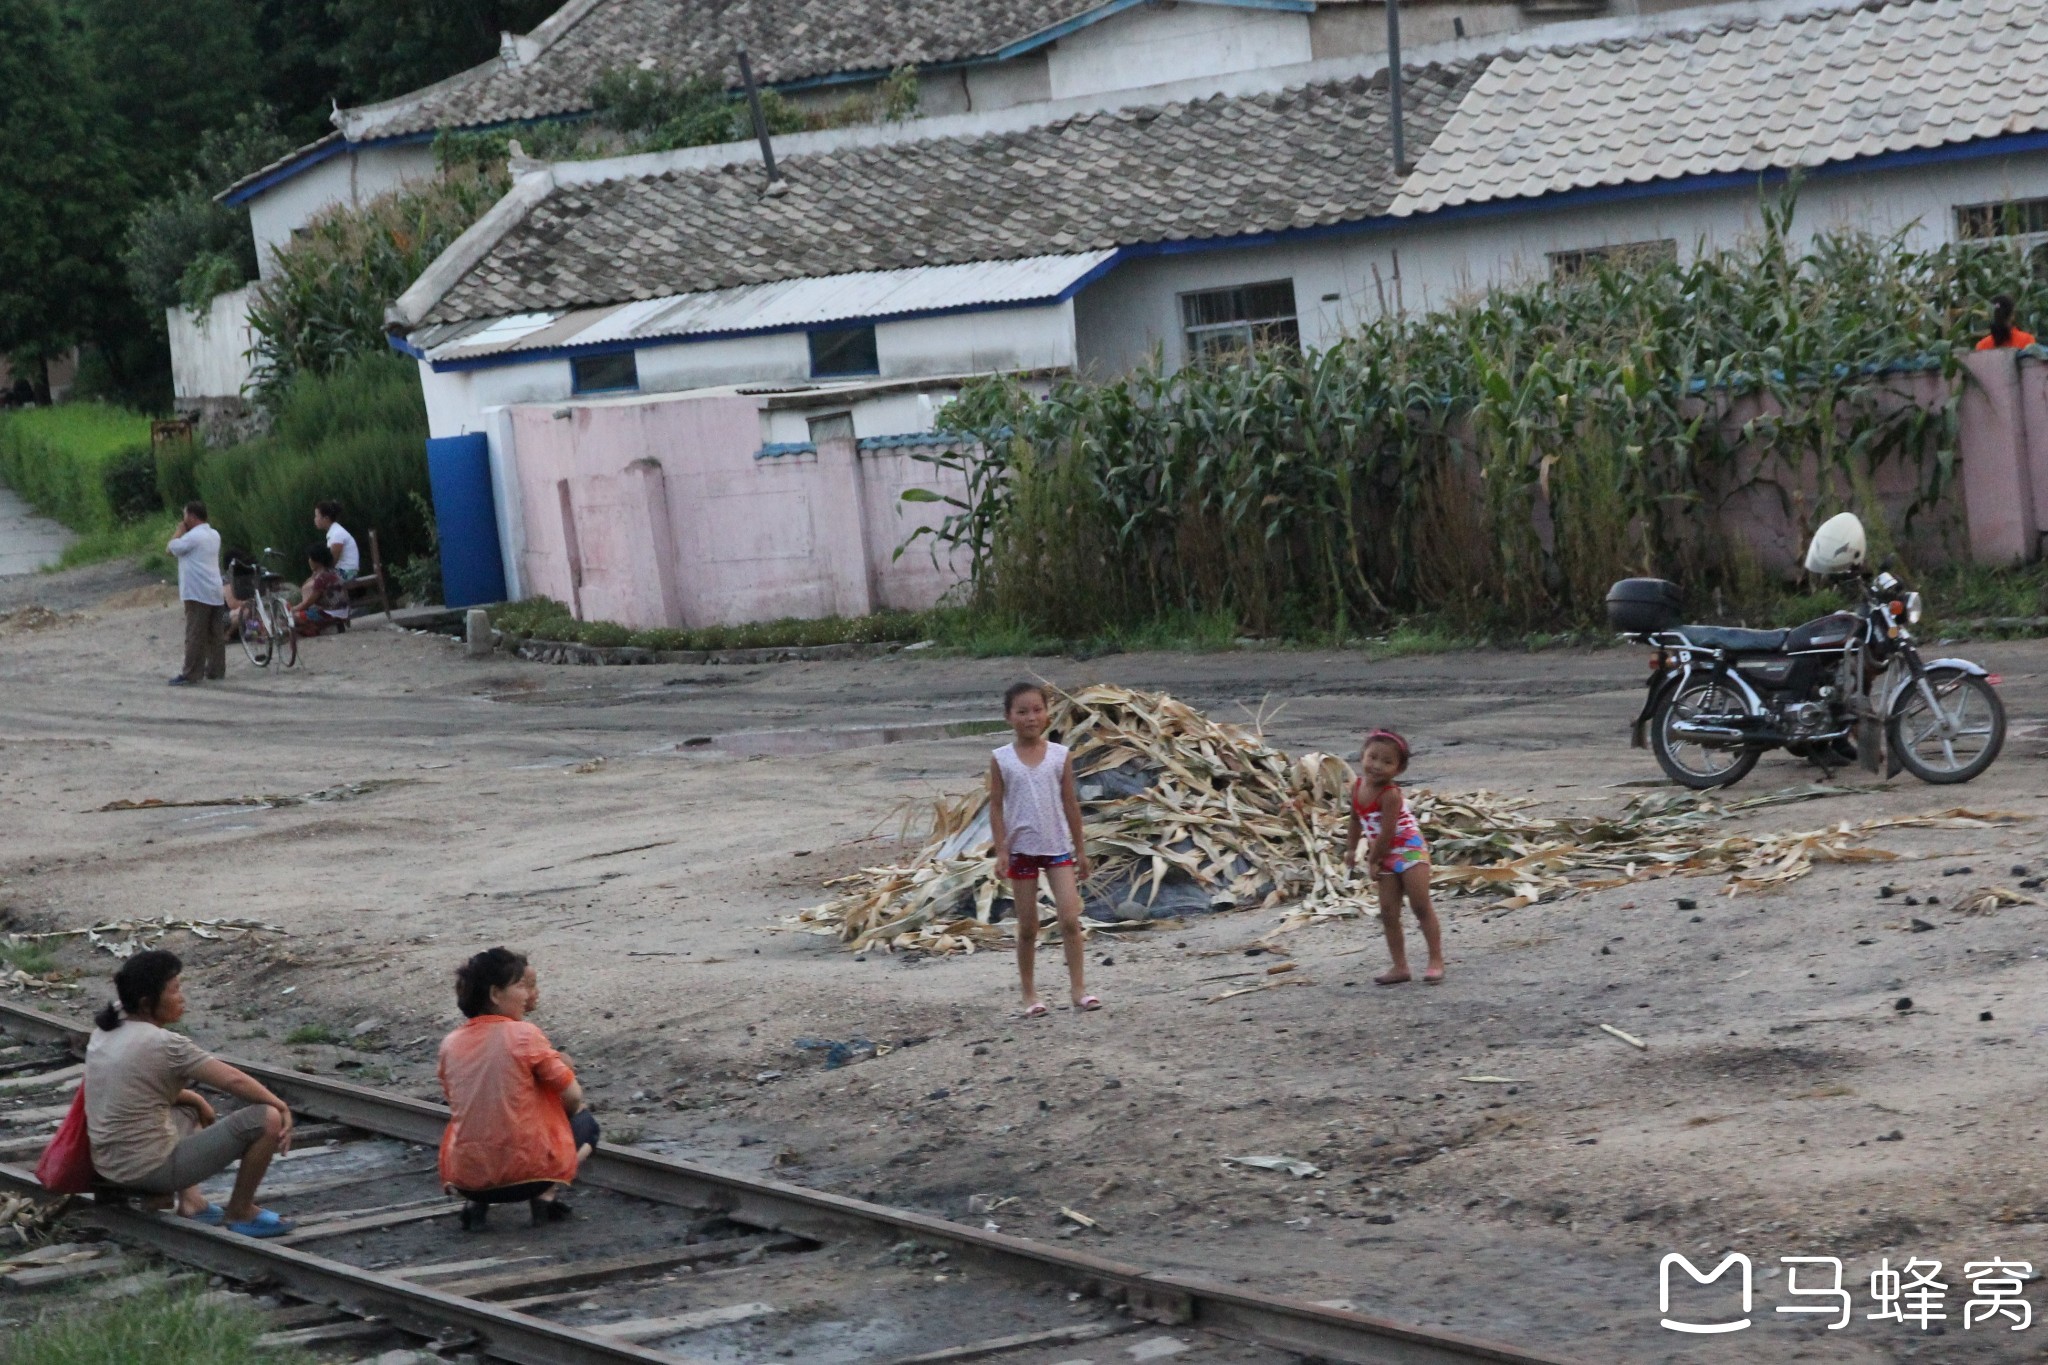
(269, 630)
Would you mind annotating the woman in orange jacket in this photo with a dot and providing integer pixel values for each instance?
(2003, 334)
(518, 1127)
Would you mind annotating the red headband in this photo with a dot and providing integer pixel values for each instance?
(1391, 738)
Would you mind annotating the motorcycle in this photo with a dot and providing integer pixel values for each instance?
(1850, 687)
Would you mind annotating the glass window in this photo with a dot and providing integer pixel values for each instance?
(1218, 323)
(843, 351)
(608, 373)
(2013, 218)
(1571, 265)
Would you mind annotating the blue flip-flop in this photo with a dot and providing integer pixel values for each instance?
(264, 1224)
(213, 1215)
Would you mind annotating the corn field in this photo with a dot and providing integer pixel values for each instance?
(1495, 465)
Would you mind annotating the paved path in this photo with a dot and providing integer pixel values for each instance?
(28, 540)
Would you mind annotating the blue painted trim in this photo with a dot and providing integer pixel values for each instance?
(307, 163)
(775, 450)
(913, 438)
(403, 345)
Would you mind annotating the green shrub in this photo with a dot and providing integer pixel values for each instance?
(78, 463)
(357, 436)
(177, 471)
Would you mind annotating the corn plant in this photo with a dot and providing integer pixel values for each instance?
(1497, 463)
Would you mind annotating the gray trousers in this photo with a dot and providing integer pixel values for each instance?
(202, 1152)
(206, 641)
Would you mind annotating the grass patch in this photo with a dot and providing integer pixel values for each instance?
(142, 541)
(87, 465)
(312, 1033)
(33, 958)
(162, 1325)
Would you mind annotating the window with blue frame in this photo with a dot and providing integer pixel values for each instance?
(840, 351)
(612, 372)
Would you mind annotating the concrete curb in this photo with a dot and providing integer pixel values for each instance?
(566, 652)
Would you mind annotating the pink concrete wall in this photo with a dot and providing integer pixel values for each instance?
(658, 514)
(914, 580)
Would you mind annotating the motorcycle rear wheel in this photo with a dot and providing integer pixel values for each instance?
(1689, 763)
(1975, 730)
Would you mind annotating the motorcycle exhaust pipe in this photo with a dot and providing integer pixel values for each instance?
(1686, 729)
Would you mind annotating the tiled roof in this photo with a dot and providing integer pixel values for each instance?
(787, 40)
(1741, 97)
(1219, 167)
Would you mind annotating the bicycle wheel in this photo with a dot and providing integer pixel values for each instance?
(287, 650)
(255, 635)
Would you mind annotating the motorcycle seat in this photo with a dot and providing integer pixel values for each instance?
(1734, 639)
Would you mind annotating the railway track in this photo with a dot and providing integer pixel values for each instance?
(669, 1262)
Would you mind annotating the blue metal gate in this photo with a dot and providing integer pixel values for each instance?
(472, 565)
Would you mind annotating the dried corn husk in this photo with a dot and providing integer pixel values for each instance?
(127, 937)
(1256, 827)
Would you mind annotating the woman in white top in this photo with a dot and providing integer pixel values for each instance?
(348, 559)
(1035, 815)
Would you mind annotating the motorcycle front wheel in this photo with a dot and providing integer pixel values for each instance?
(1953, 741)
(1689, 762)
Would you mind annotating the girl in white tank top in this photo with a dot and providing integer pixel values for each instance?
(1035, 818)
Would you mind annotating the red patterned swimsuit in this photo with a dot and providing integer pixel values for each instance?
(1408, 849)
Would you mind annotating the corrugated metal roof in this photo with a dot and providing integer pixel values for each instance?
(785, 305)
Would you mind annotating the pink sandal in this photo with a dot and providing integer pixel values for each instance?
(1036, 1010)
(1087, 1002)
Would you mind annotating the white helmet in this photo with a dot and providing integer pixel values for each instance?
(1838, 545)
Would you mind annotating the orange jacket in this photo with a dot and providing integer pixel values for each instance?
(2020, 341)
(504, 1083)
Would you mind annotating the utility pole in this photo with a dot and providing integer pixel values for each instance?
(1401, 166)
(775, 182)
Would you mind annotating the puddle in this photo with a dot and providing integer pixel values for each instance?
(827, 739)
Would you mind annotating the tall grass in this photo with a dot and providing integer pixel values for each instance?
(80, 463)
(161, 1325)
(356, 435)
(1492, 467)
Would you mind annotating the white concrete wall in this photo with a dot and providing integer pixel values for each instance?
(351, 178)
(959, 343)
(1148, 46)
(209, 352)
(1423, 263)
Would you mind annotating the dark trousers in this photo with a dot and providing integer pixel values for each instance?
(206, 641)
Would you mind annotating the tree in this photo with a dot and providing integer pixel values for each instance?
(392, 46)
(171, 71)
(63, 191)
(183, 248)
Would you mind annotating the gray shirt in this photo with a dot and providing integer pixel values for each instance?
(198, 555)
(132, 1079)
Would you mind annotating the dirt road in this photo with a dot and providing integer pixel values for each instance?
(1785, 1105)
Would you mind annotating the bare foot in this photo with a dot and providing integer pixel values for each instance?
(1396, 977)
(1434, 976)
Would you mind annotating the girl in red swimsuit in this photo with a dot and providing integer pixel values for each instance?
(1395, 853)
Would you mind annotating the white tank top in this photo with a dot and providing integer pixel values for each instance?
(1033, 813)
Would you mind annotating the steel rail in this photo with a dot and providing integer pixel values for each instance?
(415, 1308)
(1269, 1319)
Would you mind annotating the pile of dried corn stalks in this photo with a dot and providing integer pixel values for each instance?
(1254, 827)
(126, 937)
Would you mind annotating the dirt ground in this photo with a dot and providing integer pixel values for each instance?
(1785, 1106)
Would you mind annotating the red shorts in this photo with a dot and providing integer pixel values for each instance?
(1025, 867)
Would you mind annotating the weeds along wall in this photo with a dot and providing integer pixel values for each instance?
(358, 436)
(1497, 464)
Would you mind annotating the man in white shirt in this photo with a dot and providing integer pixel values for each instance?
(196, 547)
(348, 560)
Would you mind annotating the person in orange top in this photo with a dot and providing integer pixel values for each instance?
(518, 1128)
(2003, 334)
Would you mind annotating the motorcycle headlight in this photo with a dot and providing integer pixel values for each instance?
(1912, 608)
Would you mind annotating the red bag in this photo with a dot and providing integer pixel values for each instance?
(66, 1165)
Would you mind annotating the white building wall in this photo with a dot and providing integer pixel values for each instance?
(352, 178)
(959, 343)
(209, 353)
(1148, 46)
(1341, 282)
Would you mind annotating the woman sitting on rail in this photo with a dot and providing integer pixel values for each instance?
(518, 1127)
(149, 1131)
